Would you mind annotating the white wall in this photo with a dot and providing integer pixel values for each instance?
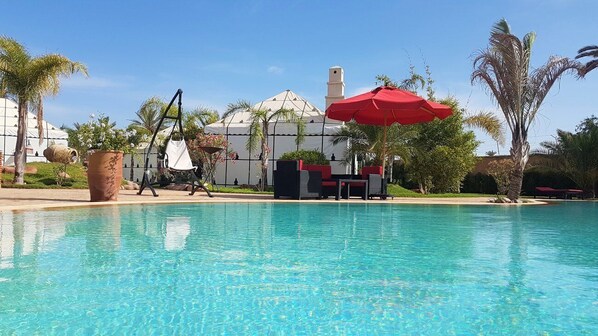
(137, 165)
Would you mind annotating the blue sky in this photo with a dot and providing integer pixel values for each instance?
(221, 51)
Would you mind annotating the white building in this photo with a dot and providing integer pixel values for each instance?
(246, 169)
(8, 134)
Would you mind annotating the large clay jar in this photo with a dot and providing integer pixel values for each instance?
(104, 175)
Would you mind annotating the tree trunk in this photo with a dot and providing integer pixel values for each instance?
(131, 171)
(264, 162)
(20, 150)
(519, 155)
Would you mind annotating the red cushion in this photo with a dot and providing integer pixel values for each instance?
(543, 189)
(329, 183)
(365, 171)
(357, 184)
(325, 169)
(300, 164)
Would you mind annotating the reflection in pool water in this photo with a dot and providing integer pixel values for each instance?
(287, 268)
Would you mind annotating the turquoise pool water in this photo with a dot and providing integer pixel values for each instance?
(331, 268)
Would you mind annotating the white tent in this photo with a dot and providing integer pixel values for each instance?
(246, 169)
(8, 134)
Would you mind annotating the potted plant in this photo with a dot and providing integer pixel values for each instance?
(106, 145)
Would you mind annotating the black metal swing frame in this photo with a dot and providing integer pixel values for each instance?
(145, 182)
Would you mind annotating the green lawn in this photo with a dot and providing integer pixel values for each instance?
(45, 178)
(398, 191)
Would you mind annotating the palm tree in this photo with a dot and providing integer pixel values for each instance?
(577, 154)
(259, 130)
(204, 115)
(368, 140)
(29, 79)
(195, 121)
(504, 68)
(149, 115)
(588, 51)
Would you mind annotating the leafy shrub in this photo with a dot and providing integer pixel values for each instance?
(500, 170)
(309, 156)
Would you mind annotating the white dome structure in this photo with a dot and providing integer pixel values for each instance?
(246, 169)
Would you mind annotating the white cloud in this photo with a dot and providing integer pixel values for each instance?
(275, 70)
(92, 82)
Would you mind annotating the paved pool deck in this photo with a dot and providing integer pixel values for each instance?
(32, 199)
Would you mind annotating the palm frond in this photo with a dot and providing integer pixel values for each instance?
(487, 122)
(501, 27)
(44, 73)
(232, 108)
(256, 134)
(149, 115)
(586, 51)
(542, 80)
(205, 115)
(289, 115)
(503, 68)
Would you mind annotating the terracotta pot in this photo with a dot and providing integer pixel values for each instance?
(61, 154)
(104, 175)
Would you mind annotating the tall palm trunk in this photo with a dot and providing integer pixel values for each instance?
(131, 172)
(20, 150)
(519, 154)
(264, 159)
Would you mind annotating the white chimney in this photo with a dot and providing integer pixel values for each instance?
(336, 85)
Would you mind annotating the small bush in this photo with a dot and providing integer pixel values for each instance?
(308, 156)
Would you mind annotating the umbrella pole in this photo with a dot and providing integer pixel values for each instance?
(384, 149)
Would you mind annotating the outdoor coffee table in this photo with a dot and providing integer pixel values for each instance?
(339, 184)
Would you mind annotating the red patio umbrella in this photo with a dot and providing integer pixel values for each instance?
(385, 106)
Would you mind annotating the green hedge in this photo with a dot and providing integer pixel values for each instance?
(308, 156)
(532, 178)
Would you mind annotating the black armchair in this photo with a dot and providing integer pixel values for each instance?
(291, 181)
(377, 185)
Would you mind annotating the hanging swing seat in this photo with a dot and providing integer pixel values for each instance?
(176, 155)
(177, 159)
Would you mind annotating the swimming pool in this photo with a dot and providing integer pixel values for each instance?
(298, 268)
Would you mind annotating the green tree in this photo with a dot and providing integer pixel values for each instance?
(74, 140)
(442, 153)
(504, 68)
(196, 120)
(577, 154)
(413, 83)
(29, 79)
(588, 51)
(148, 116)
(259, 130)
